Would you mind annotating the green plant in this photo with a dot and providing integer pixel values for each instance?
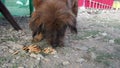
(117, 41)
(85, 34)
(104, 58)
(15, 65)
(2, 60)
(92, 49)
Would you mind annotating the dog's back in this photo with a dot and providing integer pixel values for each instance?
(73, 4)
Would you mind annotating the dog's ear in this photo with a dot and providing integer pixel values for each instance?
(37, 3)
(35, 23)
(38, 30)
(69, 19)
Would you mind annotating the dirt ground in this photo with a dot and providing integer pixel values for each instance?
(97, 44)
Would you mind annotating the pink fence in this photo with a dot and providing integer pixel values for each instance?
(98, 4)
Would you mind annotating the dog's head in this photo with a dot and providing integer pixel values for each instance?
(52, 19)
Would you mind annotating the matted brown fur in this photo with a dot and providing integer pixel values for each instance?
(51, 18)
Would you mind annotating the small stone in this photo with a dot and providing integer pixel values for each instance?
(46, 60)
(39, 57)
(33, 55)
(20, 67)
(84, 48)
(104, 34)
(18, 46)
(93, 55)
(88, 37)
(111, 41)
(26, 38)
(14, 45)
(11, 29)
(81, 60)
(56, 56)
(13, 60)
(66, 63)
(17, 57)
(11, 51)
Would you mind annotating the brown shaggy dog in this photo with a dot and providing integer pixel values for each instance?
(51, 18)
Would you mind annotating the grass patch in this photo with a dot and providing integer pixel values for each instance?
(9, 39)
(91, 33)
(117, 53)
(2, 60)
(77, 37)
(116, 26)
(104, 58)
(117, 41)
(15, 65)
(5, 60)
(107, 38)
(85, 34)
(93, 49)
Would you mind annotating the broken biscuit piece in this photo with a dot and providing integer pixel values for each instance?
(49, 50)
(32, 49)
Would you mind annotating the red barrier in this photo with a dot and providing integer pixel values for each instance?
(80, 3)
(99, 4)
